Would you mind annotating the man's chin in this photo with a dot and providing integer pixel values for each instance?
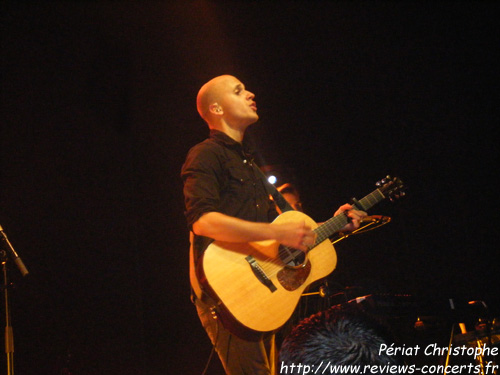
(253, 119)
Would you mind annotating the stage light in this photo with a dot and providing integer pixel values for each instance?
(272, 179)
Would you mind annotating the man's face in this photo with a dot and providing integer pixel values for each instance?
(237, 104)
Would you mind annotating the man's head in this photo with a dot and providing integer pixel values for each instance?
(338, 338)
(224, 102)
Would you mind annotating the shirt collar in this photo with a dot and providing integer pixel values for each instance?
(223, 138)
(246, 147)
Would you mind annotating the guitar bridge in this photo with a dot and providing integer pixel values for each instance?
(260, 274)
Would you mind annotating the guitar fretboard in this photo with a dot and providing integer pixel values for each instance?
(336, 223)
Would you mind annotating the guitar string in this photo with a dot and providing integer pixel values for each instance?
(288, 255)
(331, 226)
(335, 224)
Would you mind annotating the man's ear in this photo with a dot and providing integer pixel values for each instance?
(215, 109)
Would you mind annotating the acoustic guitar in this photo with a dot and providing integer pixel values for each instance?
(253, 294)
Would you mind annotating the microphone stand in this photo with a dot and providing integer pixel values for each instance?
(9, 335)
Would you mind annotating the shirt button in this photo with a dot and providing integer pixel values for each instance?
(245, 161)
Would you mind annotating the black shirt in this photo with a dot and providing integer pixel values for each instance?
(219, 176)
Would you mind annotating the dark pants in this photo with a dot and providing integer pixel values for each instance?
(238, 356)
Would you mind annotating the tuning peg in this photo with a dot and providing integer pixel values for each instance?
(383, 181)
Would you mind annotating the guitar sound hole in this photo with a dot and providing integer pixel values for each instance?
(291, 257)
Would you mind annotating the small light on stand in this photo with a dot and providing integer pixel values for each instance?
(272, 179)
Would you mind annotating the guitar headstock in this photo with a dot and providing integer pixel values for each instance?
(391, 187)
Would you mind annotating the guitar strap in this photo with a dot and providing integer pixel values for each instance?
(278, 198)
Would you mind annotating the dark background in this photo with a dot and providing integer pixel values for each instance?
(98, 112)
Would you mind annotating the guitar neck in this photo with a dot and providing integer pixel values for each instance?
(336, 223)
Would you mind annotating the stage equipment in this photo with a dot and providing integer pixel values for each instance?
(9, 335)
(481, 341)
(484, 338)
(367, 224)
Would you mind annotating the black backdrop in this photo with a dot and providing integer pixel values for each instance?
(98, 113)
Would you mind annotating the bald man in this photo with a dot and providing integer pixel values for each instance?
(226, 200)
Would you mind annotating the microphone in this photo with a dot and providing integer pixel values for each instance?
(17, 260)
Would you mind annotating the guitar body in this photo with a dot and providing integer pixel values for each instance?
(255, 294)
